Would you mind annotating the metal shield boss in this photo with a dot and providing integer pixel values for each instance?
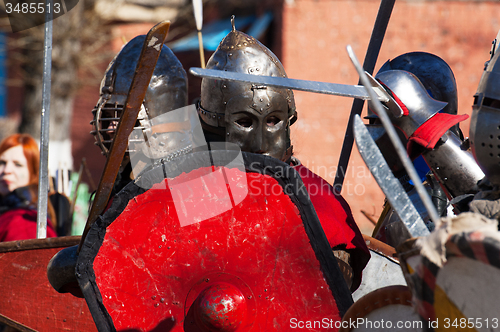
(214, 240)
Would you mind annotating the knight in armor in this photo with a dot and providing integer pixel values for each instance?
(485, 138)
(454, 258)
(425, 89)
(258, 118)
(167, 91)
(438, 80)
(463, 173)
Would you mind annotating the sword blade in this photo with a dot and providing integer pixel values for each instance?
(398, 145)
(344, 90)
(390, 186)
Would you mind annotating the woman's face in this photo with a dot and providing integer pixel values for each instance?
(14, 172)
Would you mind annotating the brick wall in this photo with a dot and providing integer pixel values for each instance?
(314, 36)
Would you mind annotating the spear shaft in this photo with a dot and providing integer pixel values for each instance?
(378, 33)
(198, 17)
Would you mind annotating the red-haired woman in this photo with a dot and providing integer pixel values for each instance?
(19, 163)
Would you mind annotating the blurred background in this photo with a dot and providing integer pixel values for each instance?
(309, 37)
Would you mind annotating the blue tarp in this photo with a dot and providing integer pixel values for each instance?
(215, 31)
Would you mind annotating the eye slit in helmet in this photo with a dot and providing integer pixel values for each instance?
(273, 121)
(493, 103)
(245, 122)
(110, 113)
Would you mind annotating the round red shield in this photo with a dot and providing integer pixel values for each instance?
(217, 247)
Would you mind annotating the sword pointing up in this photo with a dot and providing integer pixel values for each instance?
(390, 186)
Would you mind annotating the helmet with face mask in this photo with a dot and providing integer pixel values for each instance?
(255, 117)
(485, 121)
(167, 91)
